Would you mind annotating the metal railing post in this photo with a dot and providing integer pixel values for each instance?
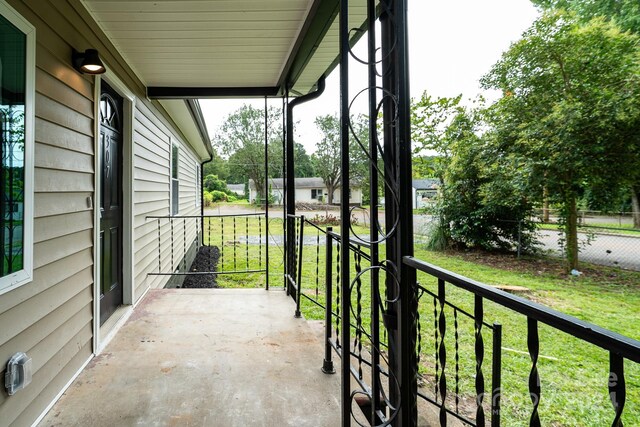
(496, 375)
(299, 278)
(327, 364)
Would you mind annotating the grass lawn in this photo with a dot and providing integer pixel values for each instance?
(574, 375)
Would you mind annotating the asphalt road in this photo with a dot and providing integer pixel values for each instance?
(614, 250)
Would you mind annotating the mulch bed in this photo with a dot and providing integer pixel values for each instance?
(206, 260)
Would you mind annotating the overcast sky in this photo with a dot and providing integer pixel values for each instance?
(451, 45)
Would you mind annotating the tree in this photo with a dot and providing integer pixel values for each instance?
(625, 14)
(570, 109)
(303, 163)
(429, 120)
(326, 159)
(217, 166)
(241, 139)
(484, 199)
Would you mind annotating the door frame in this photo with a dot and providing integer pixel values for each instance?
(102, 337)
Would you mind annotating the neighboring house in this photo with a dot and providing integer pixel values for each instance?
(308, 190)
(236, 189)
(424, 192)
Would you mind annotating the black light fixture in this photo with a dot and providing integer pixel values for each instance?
(88, 62)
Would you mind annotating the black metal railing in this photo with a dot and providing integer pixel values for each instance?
(293, 272)
(226, 244)
(458, 349)
(619, 347)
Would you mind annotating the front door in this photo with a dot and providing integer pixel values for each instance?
(110, 201)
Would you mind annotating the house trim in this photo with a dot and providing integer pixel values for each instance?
(62, 391)
(128, 286)
(25, 275)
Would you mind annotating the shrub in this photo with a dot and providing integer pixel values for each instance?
(213, 183)
(437, 236)
(207, 197)
(330, 220)
(219, 196)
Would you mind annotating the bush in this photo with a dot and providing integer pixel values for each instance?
(438, 238)
(330, 220)
(213, 183)
(219, 196)
(208, 198)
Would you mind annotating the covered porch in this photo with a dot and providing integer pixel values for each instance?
(189, 357)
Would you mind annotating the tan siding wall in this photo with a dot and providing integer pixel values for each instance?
(152, 154)
(51, 318)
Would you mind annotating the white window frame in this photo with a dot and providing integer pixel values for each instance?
(172, 179)
(198, 187)
(24, 276)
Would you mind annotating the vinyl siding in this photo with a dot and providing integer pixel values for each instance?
(152, 176)
(52, 317)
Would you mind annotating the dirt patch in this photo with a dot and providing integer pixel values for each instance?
(206, 260)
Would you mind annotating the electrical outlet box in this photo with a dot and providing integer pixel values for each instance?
(18, 374)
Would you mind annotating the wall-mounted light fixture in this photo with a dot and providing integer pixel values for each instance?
(88, 62)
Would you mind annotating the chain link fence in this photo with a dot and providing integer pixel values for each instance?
(604, 238)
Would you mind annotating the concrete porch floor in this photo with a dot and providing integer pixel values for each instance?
(206, 357)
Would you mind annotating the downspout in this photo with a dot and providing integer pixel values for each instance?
(196, 113)
(290, 181)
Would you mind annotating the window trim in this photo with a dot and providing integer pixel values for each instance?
(24, 276)
(198, 182)
(172, 179)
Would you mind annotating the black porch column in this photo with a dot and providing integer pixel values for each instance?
(401, 314)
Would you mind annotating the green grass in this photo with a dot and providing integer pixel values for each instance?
(574, 374)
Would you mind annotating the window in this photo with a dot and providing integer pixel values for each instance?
(198, 189)
(17, 79)
(175, 183)
(316, 193)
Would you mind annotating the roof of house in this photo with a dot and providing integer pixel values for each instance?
(425, 184)
(236, 188)
(312, 182)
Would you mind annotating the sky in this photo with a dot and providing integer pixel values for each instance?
(452, 44)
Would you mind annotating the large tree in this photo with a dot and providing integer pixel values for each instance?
(430, 117)
(326, 158)
(241, 139)
(625, 14)
(570, 108)
(216, 166)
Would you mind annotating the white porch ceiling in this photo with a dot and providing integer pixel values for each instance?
(215, 43)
